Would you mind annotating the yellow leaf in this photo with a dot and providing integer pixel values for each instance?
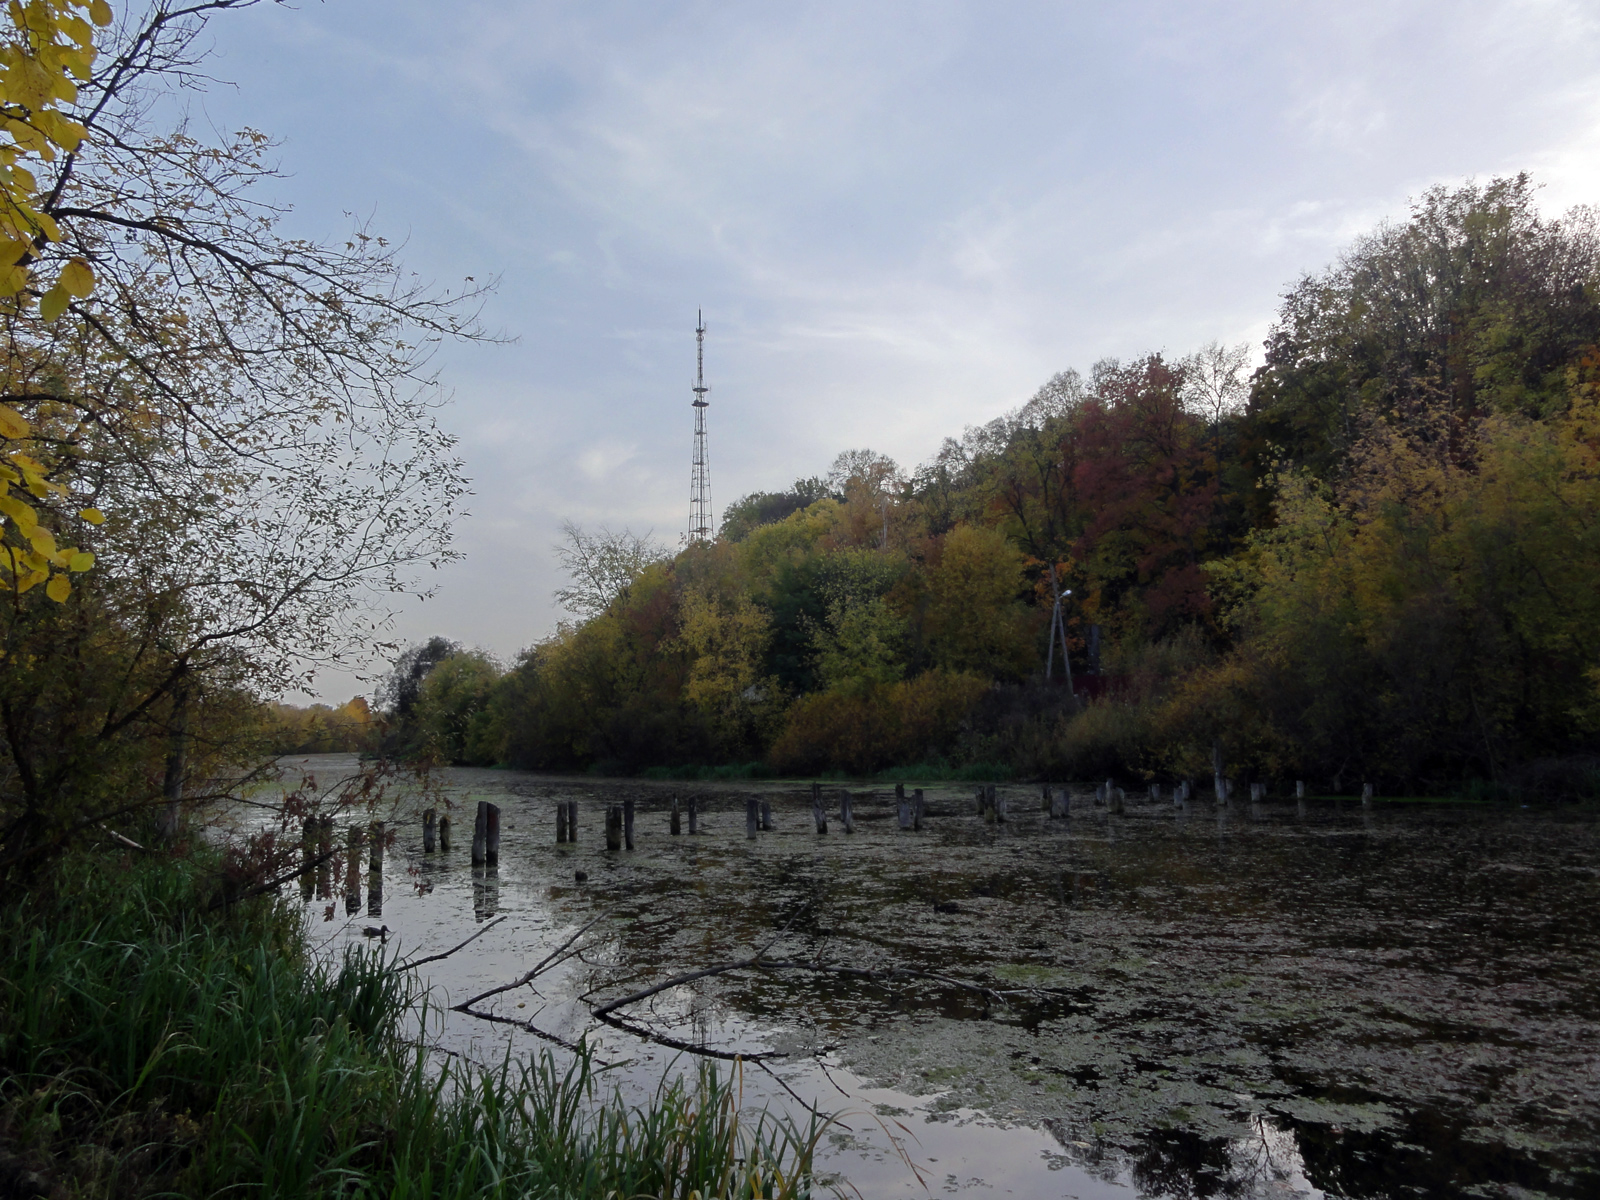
(77, 279)
(100, 12)
(32, 579)
(81, 561)
(12, 423)
(43, 541)
(19, 512)
(53, 304)
(58, 589)
(93, 515)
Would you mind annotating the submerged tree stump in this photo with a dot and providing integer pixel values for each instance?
(572, 820)
(444, 834)
(491, 834)
(614, 827)
(561, 822)
(847, 815)
(752, 817)
(627, 824)
(430, 828)
(694, 816)
(375, 853)
(673, 826)
(766, 816)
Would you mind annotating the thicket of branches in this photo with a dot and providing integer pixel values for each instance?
(255, 414)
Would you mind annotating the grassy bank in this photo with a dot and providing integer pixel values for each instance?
(148, 1049)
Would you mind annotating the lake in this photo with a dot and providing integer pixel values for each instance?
(1271, 999)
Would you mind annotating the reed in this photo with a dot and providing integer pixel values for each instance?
(146, 1048)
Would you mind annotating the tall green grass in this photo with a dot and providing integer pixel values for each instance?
(147, 1049)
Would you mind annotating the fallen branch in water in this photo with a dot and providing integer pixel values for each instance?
(547, 962)
(756, 962)
(410, 966)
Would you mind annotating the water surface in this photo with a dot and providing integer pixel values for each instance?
(1269, 1000)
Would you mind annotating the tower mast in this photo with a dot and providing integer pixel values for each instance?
(701, 521)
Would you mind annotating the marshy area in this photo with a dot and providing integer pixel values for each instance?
(1264, 999)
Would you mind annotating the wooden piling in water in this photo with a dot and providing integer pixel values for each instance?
(352, 870)
(375, 852)
(899, 792)
(627, 824)
(614, 827)
(1300, 789)
(902, 809)
(766, 816)
(444, 834)
(847, 814)
(491, 838)
(430, 830)
(572, 820)
(752, 817)
(1060, 803)
(673, 826)
(819, 812)
(1366, 795)
(480, 834)
(998, 801)
(694, 816)
(561, 822)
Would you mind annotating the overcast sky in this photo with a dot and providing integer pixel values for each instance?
(899, 218)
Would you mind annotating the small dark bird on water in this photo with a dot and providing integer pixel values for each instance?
(580, 876)
(374, 931)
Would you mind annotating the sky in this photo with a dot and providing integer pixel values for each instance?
(899, 219)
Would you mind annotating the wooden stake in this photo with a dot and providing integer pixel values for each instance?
(847, 816)
(766, 816)
(572, 820)
(375, 854)
(819, 813)
(430, 826)
(614, 827)
(491, 840)
(480, 834)
(444, 833)
(561, 822)
(672, 825)
(1300, 789)
(752, 817)
(627, 824)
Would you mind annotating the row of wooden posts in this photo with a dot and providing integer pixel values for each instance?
(910, 811)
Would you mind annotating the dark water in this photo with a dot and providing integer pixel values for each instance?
(1267, 1000)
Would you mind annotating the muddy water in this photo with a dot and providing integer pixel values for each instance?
(1267, 1000)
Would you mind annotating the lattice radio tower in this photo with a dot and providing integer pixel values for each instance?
(701, 521)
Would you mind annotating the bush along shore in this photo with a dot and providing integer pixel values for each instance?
(148, 1047)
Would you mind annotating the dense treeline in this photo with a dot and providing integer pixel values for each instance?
(1373, 558)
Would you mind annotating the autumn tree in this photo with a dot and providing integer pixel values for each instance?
(254, 413)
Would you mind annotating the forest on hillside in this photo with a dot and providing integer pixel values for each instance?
(1373, 558)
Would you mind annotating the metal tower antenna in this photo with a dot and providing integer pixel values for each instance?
(701, 520)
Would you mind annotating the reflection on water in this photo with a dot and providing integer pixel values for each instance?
(1288, 998)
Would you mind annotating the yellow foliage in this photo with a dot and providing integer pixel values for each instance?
(45, 47)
